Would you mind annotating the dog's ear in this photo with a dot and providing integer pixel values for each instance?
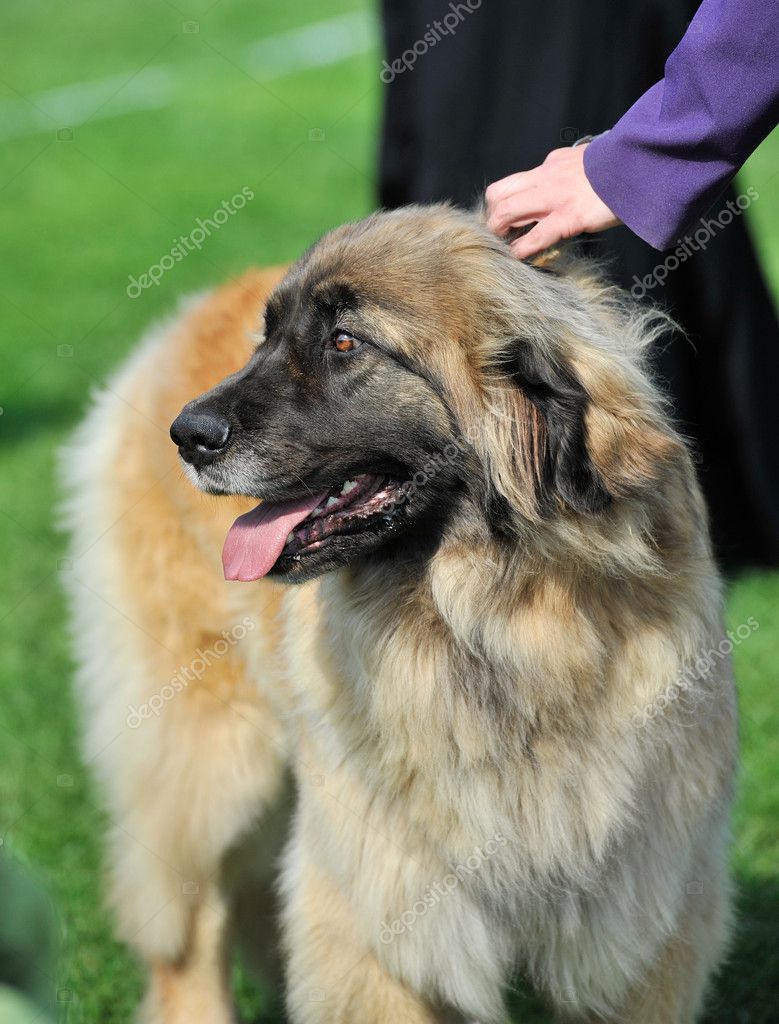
(558, 404)
(628, 439)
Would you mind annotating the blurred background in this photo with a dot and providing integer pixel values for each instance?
(124, 127)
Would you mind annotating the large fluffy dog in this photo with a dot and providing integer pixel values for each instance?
(503, 765)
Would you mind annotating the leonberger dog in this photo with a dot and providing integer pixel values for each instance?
(504, 770)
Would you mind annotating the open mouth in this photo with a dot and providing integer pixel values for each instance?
(293, 529)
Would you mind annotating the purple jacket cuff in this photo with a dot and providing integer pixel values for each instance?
(651, 192)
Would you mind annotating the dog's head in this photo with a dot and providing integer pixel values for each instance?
(413, 379)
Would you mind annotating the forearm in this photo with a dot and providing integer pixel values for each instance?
(674, 152)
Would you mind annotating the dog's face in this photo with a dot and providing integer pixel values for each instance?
(333, 409)
(369, 415)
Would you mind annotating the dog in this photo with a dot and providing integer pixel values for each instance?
(481, 679)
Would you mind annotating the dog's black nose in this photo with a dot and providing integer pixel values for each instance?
(200, 435)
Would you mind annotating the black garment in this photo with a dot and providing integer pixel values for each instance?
(514, 80)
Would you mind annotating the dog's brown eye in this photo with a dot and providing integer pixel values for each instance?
(342, 341)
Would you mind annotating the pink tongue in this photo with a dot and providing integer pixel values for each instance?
(256, 539)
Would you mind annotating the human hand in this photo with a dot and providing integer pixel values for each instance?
(557, 195)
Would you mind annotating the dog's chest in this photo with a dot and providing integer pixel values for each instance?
(401, 731)
(463, 830)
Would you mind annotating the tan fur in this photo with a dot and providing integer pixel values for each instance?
(405, 760)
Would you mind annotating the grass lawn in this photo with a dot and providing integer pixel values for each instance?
(86, 205)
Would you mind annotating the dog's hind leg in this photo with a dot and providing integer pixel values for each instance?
(170, 883)
(177, 727)
(183, 789)
(193, 987)
(238, 905)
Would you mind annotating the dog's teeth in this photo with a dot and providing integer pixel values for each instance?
(330, 502)
(318, 510)
(290, 537)
(348, 486)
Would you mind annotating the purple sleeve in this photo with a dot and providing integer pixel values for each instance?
(674, 152)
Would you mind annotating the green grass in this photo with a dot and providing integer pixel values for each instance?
(80, 216)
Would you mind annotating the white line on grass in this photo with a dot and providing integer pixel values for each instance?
(313, 46)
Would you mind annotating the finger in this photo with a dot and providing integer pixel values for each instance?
(522, 222)
(504, 186)
(544, 235)
(518, 209)
(499, 190)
